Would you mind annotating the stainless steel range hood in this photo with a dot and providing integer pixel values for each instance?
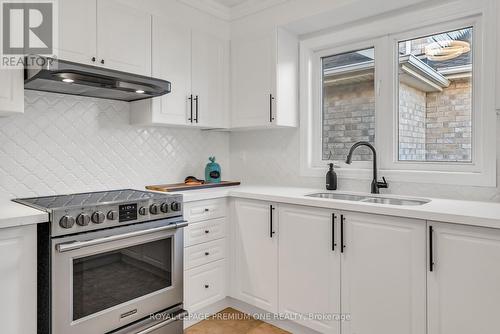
(64, 77)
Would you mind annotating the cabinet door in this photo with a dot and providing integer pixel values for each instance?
(11, 91)
(253, 77)
(18, 280)
(123, 37)
(383, 275)
(77, 31)
(172, 62)
(256, 254)
(464, 286)
(210, 80)
(309, 265)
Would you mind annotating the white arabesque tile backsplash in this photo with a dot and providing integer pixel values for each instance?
(65, 144)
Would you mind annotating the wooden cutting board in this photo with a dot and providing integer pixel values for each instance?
(184, 187)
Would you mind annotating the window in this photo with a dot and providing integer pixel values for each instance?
(422, 94)
(435, 97)
(348, 104)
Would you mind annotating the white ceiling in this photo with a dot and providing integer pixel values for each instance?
(231, 3)
(232, 9)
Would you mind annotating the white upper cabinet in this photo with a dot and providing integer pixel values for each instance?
(309, 265)
(196, 64)
(77, 31)
(123, 37)
(383, 275)
(264, 80)
(210, 76)
(171, 49)
(464, 284)
(105, 33)
(255, 254)
(11, 91)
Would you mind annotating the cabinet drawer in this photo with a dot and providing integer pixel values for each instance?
(204, 231)
(204, 253)
(204, 285)
(203, 210)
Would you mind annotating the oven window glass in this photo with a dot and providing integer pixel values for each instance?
(104, 280)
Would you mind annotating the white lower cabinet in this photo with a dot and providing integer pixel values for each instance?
(383, 274)
(205, 270)
(464, 284)
(309, 266)
(204, 285)
(18, 263)
(255, 236)
(368, 268)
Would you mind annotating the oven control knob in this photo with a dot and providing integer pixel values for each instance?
(98, 217)
(176, 206)
(67, 222)
(164, 207)
(143, 211)
(112, 215)
(83, 219)
(154, 209)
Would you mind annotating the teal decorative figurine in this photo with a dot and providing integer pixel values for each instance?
(212, 171)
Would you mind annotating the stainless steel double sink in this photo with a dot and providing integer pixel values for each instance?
(371, 199)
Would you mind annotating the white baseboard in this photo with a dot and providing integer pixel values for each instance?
(199, 315)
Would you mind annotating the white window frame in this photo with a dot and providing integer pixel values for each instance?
(384, 35)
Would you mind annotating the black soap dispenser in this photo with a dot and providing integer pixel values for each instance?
(331, 179)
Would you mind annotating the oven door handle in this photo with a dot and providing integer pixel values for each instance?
(163, 323)
(69, 246)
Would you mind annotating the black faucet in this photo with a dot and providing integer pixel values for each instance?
(376, 185)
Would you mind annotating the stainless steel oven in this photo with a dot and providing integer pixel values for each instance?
(107, 279)
(110, 262)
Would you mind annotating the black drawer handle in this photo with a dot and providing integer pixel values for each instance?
(271, 228)
(207, 231)
(207, 253)
(342, 245)
(207, 209)
(206, 286)
(333, 232)
(431, 250)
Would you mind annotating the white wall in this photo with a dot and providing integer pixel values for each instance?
(272, 156)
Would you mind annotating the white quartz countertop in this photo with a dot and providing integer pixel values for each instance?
(486, 214)
(14, 214)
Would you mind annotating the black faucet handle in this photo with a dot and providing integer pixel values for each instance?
(383, 184)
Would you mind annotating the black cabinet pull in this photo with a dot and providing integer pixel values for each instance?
(93, 59)
(102, 61)
(207, 231)
(342, 246)
(207, 253)
(271, 230)
(196, 104)
(271, 98)
(333, 232)
(207, 286)
(190, 98)
(431, 250)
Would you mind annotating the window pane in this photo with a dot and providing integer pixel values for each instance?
(435, 97)
(348, 104)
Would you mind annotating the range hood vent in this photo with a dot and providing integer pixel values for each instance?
(64, 77)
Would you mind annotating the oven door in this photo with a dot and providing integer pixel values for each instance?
(106, 279)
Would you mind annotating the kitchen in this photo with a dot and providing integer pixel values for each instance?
(395, 102)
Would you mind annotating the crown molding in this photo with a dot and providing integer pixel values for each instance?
(220, 11)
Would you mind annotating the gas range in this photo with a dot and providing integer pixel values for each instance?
(82, 212)
(108, 260)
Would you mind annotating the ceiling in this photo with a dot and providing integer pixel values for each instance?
(231, 3)
(232, 9)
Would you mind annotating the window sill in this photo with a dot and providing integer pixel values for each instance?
(415, 176)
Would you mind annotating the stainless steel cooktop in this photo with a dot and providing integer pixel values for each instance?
(49, 203)
(83, 212)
